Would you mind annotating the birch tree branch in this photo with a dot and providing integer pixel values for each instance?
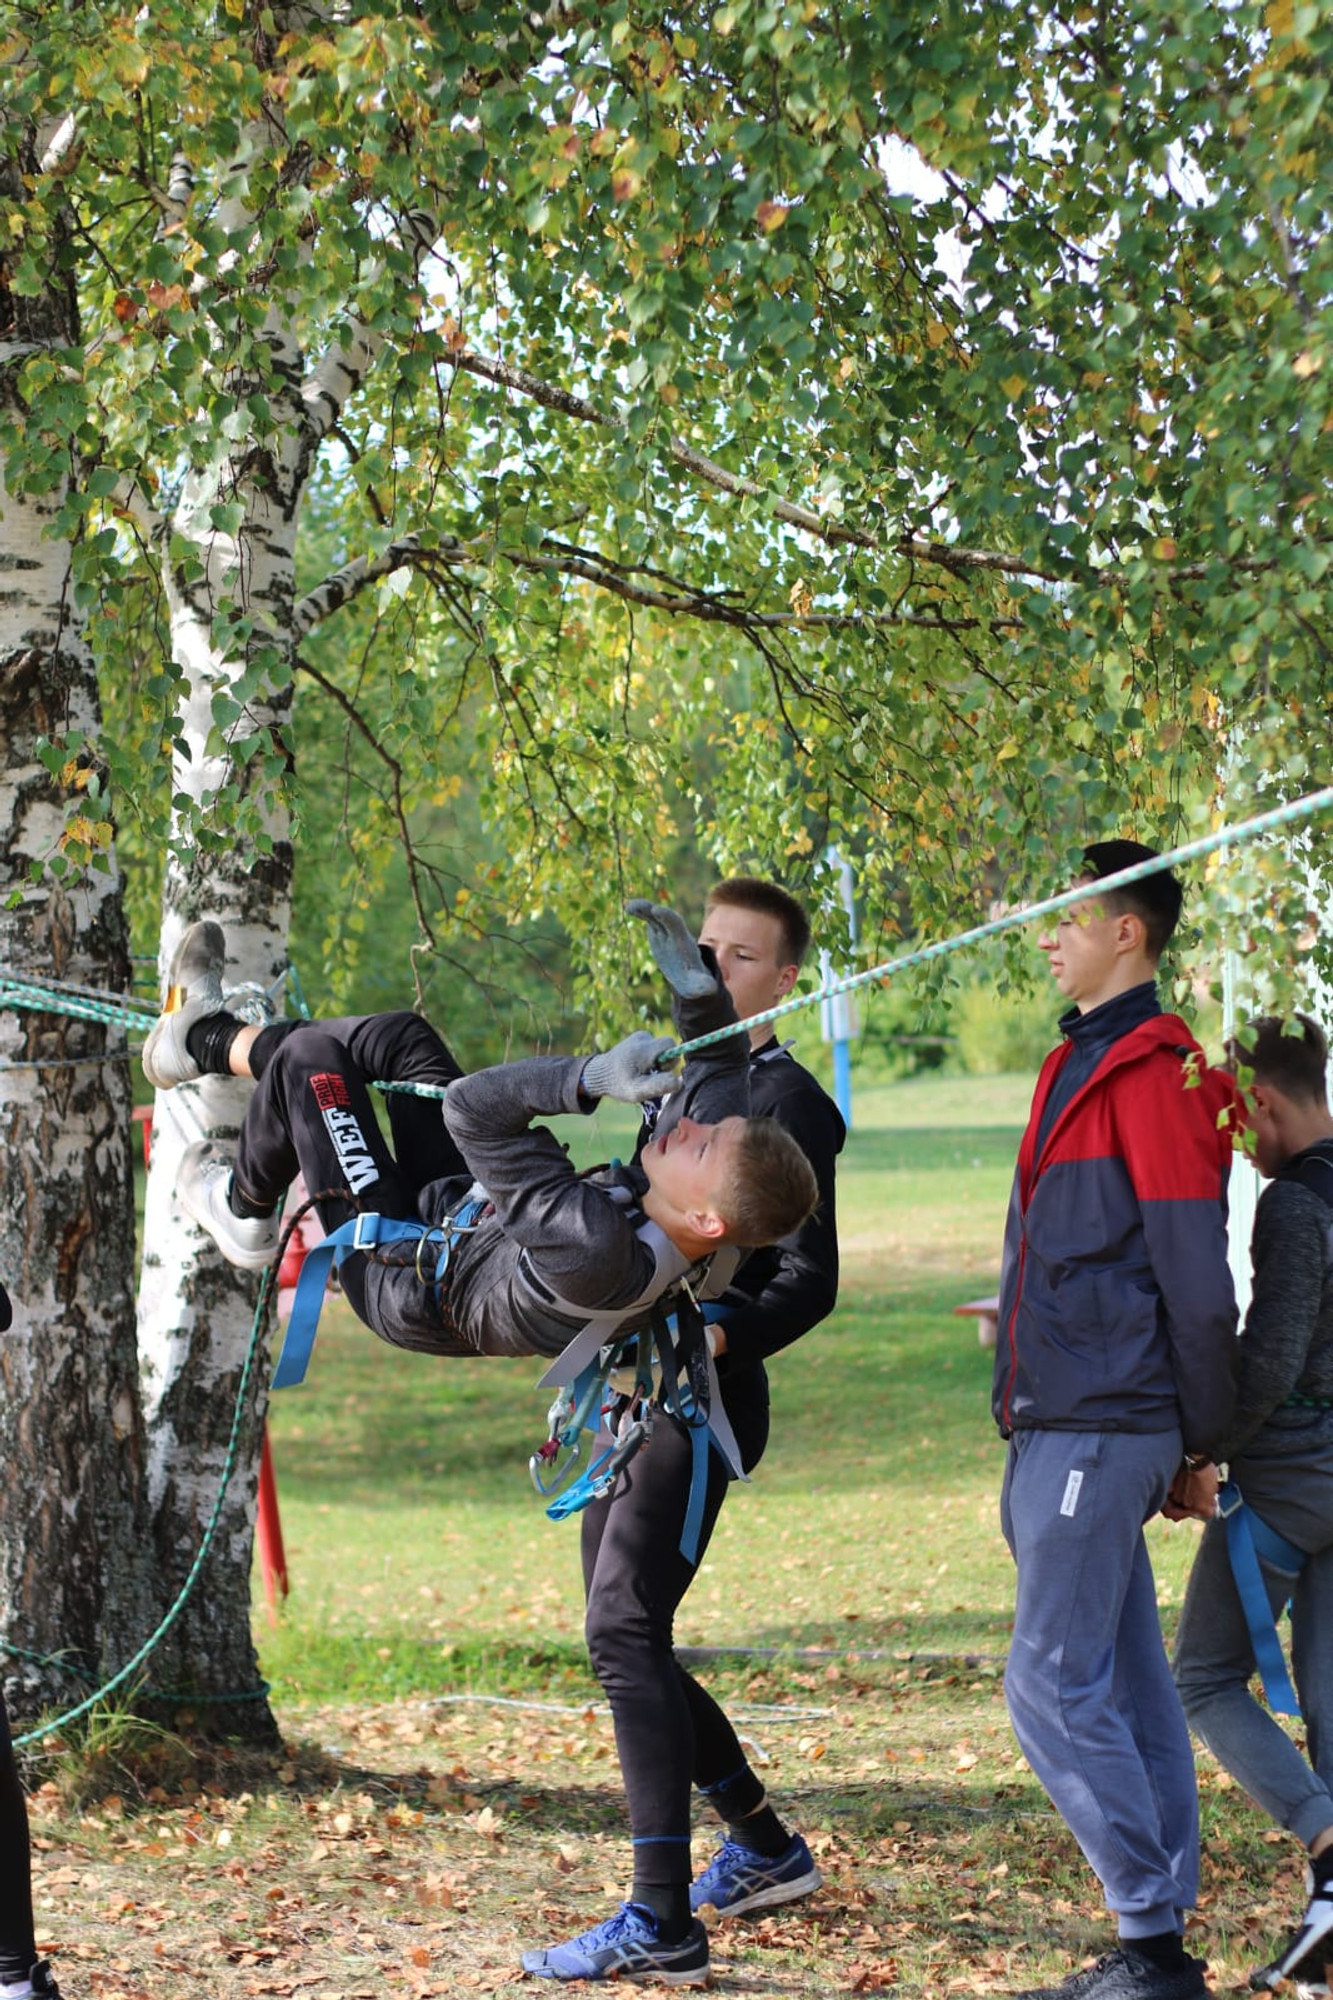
(945, 555)
(560, 559)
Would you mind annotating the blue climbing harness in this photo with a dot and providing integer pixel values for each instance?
(435, 1244)
(588, 1379)
(1249, 1539)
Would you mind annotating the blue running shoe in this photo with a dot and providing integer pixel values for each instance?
(737, 1879)
(626, 1946)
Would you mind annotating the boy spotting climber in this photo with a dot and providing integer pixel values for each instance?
(669, 1730)
(540, 1248)
(1113, 1365)
(1279, 1450)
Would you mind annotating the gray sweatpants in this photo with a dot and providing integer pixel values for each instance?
(1089, 1689)
(1214, 1661)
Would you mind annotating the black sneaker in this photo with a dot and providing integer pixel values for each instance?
(43, 1986)
(1125, 1974)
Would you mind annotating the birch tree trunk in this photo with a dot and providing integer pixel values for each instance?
(196, 1312)
(73, 1580)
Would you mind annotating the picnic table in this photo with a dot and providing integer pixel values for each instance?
(986, 1313)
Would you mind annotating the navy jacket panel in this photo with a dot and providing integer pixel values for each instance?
(781, 1293)
(1116, 1304)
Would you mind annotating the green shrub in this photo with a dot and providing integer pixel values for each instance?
(1000, 1033)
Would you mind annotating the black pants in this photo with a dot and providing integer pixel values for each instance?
(311, 1110)
(18, 1950)
(670, 1732)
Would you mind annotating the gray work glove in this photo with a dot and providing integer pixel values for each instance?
(678, 956)
(629, 1071)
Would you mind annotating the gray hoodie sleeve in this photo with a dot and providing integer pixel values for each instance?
(1289, 1251)
(579, 1241)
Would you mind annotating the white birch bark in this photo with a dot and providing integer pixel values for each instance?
(73, 1578)
(195, 1312)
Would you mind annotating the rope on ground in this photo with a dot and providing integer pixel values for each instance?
(767, 1709)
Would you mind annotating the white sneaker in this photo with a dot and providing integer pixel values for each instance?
(194, 991)
(202, 1187)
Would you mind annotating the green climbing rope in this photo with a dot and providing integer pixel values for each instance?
(132, 1665)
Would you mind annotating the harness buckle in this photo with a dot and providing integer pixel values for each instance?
(1229, 1498)
(365, 1235)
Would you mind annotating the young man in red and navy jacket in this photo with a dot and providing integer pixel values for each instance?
(1114, 1365)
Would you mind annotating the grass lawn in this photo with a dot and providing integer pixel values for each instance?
(449, 1791)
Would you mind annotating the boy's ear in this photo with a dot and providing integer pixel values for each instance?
(787, 978)
(707, 1222)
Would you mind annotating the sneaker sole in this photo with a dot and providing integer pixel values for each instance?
(184, 1068)
(647, 1976)
(160, 1080)
(1307, 1943)
(768, 1899)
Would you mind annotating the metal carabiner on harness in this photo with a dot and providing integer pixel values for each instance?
(552, 1462)
(591, 1397)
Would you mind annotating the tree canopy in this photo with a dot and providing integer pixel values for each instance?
(901, 425)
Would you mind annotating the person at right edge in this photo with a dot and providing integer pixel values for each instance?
(1279, 1452)
(1114, 1371)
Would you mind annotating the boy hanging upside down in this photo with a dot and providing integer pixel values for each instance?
(551, 1247)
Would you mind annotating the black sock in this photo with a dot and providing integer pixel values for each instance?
(762, 1832)
(1321, 1867)
(1164, 1948)
(669, 1903)
(209, 1042)
(241, 1205)
(742, 1803)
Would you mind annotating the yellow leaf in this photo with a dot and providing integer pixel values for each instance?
(1013, 386)
(1307, 364)
(770, 215)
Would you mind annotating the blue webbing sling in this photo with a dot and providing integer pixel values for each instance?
(365, 1232)
(1249, 1539)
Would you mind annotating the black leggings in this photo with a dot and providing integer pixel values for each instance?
(669, 1730)
(311, 1109)
(18, 1949)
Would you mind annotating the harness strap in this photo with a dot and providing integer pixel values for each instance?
(364, 1232)
(1248, 1539)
